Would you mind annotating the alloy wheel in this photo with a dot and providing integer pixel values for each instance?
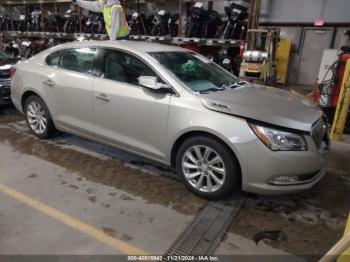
(37, 117)
(204, 168)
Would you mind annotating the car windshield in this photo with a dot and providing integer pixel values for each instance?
(195, 71)
(3, 55)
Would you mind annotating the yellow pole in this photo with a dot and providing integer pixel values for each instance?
(342, 107)
(345, 257)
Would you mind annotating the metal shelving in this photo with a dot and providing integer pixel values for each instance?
(186, 40)
(65, 36)
(160, 39)
(155, 39)
(24, 2)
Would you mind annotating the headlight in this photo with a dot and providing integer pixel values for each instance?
(278, 140)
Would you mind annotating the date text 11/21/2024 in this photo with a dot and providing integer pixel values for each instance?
(173, 258)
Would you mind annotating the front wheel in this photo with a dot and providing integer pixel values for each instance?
(38, 117)
(208, 167)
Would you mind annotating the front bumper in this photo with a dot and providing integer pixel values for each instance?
(5, 92)
(268, 189)
(260, 166)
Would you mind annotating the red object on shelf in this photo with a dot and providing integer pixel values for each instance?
(192, 47)
(241, 48)
(343, 58)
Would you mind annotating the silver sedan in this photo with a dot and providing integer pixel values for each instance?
(176, 107)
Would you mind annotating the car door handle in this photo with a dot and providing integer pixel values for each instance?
(103, 97)
(49, 82)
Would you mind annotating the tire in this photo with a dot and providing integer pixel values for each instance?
(229, 182)
(66, 27)
(31, 104)
(156, 31)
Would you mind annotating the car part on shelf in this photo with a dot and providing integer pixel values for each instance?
(71, 24)
(161, 23)
(5, 22)
(236, 26)
(94, 24)
(213, 25)
(11, 48)
(24, 49)
(23, 24)
(51, 23)
(196, 21)
(35, 21)
(173, 24)
(136, 23)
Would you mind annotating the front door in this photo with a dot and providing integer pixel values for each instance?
(126, 114)
(68, 86)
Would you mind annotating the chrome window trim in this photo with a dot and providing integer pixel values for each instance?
(71, 71)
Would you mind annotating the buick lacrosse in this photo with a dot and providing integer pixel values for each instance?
(178, 108)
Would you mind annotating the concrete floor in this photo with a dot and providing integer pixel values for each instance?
(82, 187)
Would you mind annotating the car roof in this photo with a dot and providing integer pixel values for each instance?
(133, 46)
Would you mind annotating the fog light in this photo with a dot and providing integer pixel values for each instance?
(284, 180)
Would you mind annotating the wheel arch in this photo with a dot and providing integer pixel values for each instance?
(193, 133)
(27, 94)
(30, 92)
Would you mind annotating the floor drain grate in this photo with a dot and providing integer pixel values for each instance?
(207, 229)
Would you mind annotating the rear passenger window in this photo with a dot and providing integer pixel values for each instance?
(81, 60)
(53, 59)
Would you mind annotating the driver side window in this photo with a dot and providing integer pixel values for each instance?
(123, 67)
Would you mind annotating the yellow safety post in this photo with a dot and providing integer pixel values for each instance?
(341, 251)
(345, 257)
(342, 107)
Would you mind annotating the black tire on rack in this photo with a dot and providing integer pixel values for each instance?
(228, 31)
(189, 29)
(156, 30)
(69, 27)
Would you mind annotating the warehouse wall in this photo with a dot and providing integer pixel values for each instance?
(306, 11)
(301, 11)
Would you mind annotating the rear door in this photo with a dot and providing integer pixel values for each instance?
(69, 88)
(126, 114)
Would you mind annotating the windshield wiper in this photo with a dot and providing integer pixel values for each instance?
(211, 90)
(234, 85)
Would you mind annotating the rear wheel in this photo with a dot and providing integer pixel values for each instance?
(207, 167)
(38, 117)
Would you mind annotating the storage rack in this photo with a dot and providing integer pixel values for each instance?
(180, 40)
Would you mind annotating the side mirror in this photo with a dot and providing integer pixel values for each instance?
(151, 82)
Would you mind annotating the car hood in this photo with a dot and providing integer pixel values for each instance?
(265, 104)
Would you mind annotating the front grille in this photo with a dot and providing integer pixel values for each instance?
(319, 130)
